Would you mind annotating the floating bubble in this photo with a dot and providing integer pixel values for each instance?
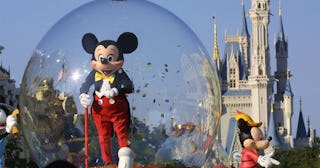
(175, 109)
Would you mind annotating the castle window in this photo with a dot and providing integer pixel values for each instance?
(260, 71)
(232, 83)
(232, 71)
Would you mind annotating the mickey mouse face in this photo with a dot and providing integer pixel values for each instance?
(107, 55)
(106, 59)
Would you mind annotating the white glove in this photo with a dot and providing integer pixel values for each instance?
(84, 100)
(112, 92)
(10, 122)
(267, 161)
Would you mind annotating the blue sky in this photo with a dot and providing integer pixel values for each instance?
(24, 23)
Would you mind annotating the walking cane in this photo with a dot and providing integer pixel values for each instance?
(86, 143)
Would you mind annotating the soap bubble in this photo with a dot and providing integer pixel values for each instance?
(175, 108)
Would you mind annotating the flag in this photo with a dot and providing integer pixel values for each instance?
(61, 73)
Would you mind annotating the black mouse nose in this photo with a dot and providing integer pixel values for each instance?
(104, 61)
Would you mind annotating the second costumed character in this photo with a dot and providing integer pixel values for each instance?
(253, 142)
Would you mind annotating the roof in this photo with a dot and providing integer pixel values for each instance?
(288, 91)
(232, 49)
(301, 130)
(242, 92)
(231, 130)
(281, 30)
(244, 27)
(273, 132)
(3, 70)
(4, 74)
(281, 41)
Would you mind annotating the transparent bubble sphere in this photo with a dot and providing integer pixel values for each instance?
(175, 106)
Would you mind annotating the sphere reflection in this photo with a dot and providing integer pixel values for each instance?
(175, 109)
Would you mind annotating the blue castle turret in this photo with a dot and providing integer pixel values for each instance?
(302, 138)
(272, 132)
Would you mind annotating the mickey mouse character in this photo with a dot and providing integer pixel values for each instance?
(252, 141)
(110, 107)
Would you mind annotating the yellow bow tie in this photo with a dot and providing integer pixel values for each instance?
(98, 76)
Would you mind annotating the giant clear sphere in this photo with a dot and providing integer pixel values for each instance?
(175, 108)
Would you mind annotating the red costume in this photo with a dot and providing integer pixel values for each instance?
(108, 117)
(249, 158)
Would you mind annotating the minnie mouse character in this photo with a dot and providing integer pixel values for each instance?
(252, 141)
(110, 107)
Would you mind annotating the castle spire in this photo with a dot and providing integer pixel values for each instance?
(244, 28)
(281, 36)
(272, 132)
(280, 9)
(301, 130)
(216, 55)
(300, 105)
(309, 127)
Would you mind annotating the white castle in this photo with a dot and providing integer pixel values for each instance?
(247, 82)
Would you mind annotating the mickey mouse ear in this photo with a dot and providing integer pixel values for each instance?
(128, 42)
(89, 42)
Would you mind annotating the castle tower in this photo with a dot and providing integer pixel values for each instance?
(234, 95)
(281, 46)
(259, 78)
(244, 40)
(287, 105)
(310, 134)
(284, 95)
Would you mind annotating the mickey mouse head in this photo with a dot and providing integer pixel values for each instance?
(107, 55)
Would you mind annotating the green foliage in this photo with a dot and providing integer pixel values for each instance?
(12, 151)
(307, 157)
(145, 141)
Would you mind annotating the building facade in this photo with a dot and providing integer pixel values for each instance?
(8, 94)
(247, 83)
